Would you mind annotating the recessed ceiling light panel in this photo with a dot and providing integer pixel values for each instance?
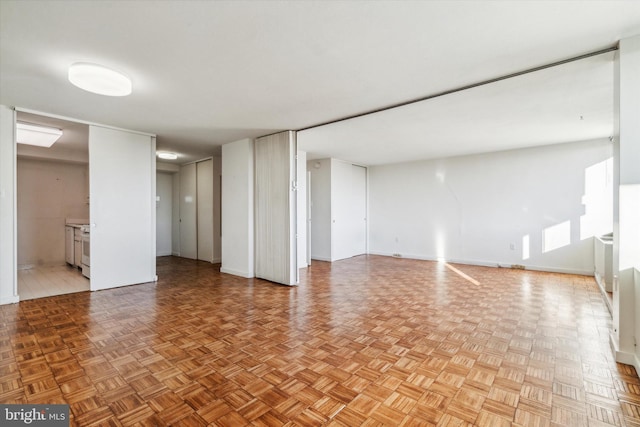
(166, 155)
(40, 136)
(98, 79)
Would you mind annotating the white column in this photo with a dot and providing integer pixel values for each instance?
(625, 338)
(8, 284)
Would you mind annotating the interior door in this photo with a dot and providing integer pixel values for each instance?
(188, 212)
(204, 192)
(122, 177)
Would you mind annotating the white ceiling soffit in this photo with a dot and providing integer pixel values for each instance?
(565, 103)
(210, 72)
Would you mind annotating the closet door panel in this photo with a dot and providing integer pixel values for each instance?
(275, 208)
(342, 239)
(348, 210)
(204, 191)
(188, 212)
(359, 211)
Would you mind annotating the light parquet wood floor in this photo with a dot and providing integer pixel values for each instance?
(45, 281)
(368, 341)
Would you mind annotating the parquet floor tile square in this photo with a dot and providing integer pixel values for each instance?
(369, 341)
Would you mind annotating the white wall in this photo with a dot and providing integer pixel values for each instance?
(8, 285)
(164, 211)
(302, 209)
(48, 192)
(237, 209)
(477, 209)
(320, 209)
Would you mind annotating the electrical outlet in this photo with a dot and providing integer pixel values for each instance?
(512, 246)
(397, 255)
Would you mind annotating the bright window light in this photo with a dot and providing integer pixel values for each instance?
(41, 136)
(556, 236)
(598, 200)
(98, 79)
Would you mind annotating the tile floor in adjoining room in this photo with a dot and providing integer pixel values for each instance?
(372, 341)
(44, 281)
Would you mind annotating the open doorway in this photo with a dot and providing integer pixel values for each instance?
(53, 211)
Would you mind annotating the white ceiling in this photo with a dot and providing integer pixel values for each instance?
(210, 72)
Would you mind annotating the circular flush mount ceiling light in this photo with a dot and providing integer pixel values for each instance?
(166, 155)
(98, 79)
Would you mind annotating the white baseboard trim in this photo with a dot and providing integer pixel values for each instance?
(233, 272)
(175, 253)
(319, 258)
(623, 356)
(488, 263)
(163, 254)
(603, 292)
(9, 300)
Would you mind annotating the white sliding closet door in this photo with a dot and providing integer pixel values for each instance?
(275, 208)
(122, 173)
(204, 190)
(188, 212)
(342, 233)
(359, 217)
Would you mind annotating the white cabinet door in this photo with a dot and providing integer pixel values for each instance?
(122, 210)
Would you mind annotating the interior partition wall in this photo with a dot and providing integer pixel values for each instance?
(275, 208)
(8, 217)
(123, 208)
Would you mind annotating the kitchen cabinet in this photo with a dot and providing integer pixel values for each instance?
(69, 248)
(73, 245)
(77, 247)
